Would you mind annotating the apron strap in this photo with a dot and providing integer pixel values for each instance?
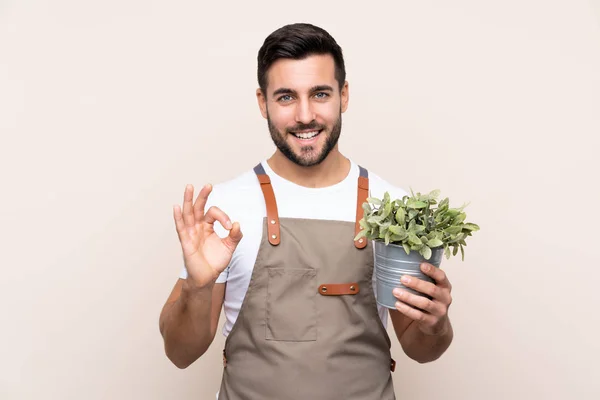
(363, 193)
(272, 214)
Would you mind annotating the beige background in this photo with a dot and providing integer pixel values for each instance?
(108, 108)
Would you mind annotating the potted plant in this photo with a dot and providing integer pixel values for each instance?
(409, 231)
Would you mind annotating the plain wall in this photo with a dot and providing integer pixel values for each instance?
(108, 108)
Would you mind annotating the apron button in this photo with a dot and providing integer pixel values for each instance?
(273, 221)
(360, 240)
(323, 289)
(274, 236)
(352, 288)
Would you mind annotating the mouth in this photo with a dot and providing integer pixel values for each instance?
(307, 136)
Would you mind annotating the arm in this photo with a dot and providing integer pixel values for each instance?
(189, 319)
(420, 346)
(422, 326)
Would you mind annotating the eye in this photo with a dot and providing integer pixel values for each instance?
(284, 98)
(321, 95)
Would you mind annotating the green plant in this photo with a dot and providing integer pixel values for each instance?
(416, 222)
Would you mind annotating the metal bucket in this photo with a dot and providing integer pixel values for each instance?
(391, 262)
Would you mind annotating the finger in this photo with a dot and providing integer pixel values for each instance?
(423, 303)
(179, 224)
(201, 202)
(216, 214)
(412, 313)
(188, 213)
(234, 237)
(424, 287)
(437, 274)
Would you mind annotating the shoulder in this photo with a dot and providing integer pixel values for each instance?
(238, 197)
(378, 186)
(227, 190)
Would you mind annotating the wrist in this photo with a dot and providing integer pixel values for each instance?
(439, 329)
(194, 289)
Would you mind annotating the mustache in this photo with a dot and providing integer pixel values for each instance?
(313, 126)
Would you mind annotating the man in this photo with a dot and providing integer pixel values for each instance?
(286, 339)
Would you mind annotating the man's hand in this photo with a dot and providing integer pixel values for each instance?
(433, 319)
(205, 254)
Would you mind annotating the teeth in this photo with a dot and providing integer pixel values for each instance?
(306, 135)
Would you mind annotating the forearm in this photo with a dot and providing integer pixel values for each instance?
(425, 348)
(186, 325)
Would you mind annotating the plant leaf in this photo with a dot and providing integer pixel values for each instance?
(416, 204)
(387, 210)
(447, 251)
(453, 230)
(453, 212)
(425, 252)
(412, 214)
(385, 226)
(375, 220)
(460, 218)
(444, 203)
(398, 230)
(386, 198)
(413, 239)
(435, 243)
(434, 194)
(411, 226)
(361, 234)
(471, 227)
(400, 216)
(406, 248)
(419, 228)
(443, 220)
(397, 238)
(364, 224)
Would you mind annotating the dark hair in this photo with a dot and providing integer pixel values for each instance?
(298, 41)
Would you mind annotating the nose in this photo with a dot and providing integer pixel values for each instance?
(304, 112)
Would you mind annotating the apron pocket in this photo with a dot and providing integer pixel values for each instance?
(291, 309)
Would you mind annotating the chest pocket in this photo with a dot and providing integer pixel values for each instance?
(291, 309)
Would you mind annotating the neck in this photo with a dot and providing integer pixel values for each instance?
(331, 171)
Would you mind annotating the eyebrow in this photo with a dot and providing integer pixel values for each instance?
(318, 88)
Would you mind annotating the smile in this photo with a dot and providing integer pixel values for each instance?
(306, 135)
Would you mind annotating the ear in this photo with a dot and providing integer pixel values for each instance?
(345, 96)
(262, 102)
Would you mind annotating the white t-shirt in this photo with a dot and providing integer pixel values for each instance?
(242, 200)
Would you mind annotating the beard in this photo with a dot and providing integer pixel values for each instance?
(309, 155)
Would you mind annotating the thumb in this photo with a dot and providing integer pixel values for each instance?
(235, 236)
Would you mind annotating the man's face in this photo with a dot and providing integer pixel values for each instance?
(303, 107)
